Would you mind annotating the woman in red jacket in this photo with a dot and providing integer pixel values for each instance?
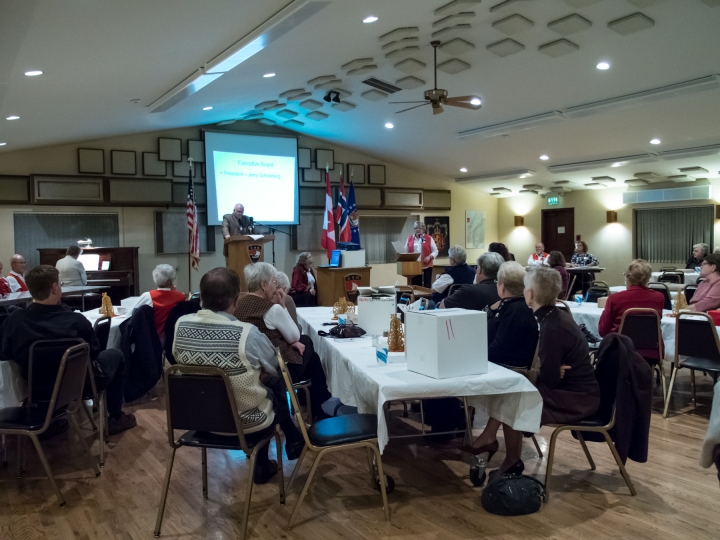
(422, 243)
(302, 288)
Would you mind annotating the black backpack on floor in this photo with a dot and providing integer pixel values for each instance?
(511, 495)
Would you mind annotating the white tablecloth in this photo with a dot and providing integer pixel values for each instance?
(690, 277)
(356, 378)
(114, 338)
(12, 387)
(620, 288)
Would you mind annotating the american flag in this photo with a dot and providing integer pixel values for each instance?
(192, 221)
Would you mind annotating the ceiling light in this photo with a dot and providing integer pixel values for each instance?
(370, 19)
(389, 125)
(655, 141)
(268, 75)
(475, 101)
(3, 143)
(13, 118)
(206, 108)
(544, 157)
(603, 66)
(33, 73)
(463, 169)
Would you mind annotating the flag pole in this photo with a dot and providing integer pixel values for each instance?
(190, 160)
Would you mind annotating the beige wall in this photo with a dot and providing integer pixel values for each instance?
(137, 226)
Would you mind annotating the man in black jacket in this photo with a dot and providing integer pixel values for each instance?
(484, 292)
(46, 318)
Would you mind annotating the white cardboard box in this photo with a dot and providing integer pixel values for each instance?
(374, 313)
(352, 259)
(446, 343)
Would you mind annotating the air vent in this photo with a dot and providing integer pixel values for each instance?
(690, 193)
(382, 85)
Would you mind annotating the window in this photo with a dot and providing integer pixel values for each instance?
(666, 235)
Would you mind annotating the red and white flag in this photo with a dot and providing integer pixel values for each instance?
(193, 225)
(328, 233)
(341, 214)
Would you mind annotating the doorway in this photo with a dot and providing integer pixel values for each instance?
(558, 231)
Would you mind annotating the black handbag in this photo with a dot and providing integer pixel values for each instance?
(511, 495)
(344, 331)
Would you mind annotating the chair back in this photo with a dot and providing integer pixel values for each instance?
(454, 287)
(570, 287)
(662, 288)
(44, 361)
(695, 335)
(599, 283)
(672, 277)
(561, 304)
(642, 326)
(352, 295)
(667, 269)
(593, 293)
(293, 398)
(70, 382)
(201, 398)
(102, 331)
(689, 291)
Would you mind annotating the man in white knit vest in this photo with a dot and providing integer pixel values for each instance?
(214, 337)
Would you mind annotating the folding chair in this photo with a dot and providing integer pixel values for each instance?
(570, 288)
(665, 291)
(698, 341)
(335, 434)
(672, 277)
(597, 290)
(642, 326)
(668, 269)
(689, 291)
(454, 287)
(34, 419)
(200, 399)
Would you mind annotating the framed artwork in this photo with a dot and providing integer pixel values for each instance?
(196, 150)
(169, 149)
(356, 173)
(336, 172)
(152, 166)
(474, 229)
(91, 160)
(376, 175)
(312, 175)
(304, 158)
(439, 228)
(123, 162)
(181, 168)
(323, 158)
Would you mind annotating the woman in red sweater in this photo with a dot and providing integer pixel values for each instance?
(162, 299)
(422, 243)
(302, 288)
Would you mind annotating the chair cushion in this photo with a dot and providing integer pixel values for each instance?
(216, 440)
(703, 364)
(343, 429)
(29, 418)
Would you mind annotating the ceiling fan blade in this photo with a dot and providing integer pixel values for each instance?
(415, 107)
(462, 98)
(463, 105)
(438, 109)
(462, 101)
(423, 102)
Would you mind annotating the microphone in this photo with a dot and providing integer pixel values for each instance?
(252, 224)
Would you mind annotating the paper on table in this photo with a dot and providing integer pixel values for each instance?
(255, 236)
(399, 246)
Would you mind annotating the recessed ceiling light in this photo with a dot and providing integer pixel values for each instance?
(3, 143)
(13, 118)
(653, 141)
(370, 19)
(207, 108)
(544, 157)
(389, 125)
(475, 101)
(603, 66)
(33, 73)
(268, 75)
(463, 169)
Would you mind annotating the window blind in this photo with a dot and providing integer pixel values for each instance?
(666, 235)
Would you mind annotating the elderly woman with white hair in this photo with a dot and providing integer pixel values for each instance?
(264, 307)
(566, 380)
(162, 299)
(457, 273)
(422, 243)
(302, 288)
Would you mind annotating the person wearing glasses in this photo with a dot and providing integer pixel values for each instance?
(707, 295)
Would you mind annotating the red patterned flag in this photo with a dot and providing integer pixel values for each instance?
(341, 214)
(328, 234)
(192, 221)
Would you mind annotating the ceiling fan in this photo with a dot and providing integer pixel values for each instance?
(437, 97)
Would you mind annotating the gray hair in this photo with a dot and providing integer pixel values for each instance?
(512, 275)
(545, 283)
(283, 281)
(164, 276)
(489, 263)
(705, 249)
(457, 254)
(256, 273)
(420, 224)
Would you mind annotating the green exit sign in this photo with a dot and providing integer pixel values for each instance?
(553, 201)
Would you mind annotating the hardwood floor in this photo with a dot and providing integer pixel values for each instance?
(434, 498)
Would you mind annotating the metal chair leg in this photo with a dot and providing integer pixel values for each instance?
(278, 451)
(88, 414)
(83, 444)
(248, 492)
(537, 447)
(662, 379)
(163, 497)
(308, 405)
(692, 383)
(620, 464)
(405, 411)
(203, 452)
(296, 470)
(467, 437)
(19, 457)
(548, 469)
(371, 466)
(670, 389)
(586, 450)
(102, 411)
(304, 491)
(4, 443)
(381, 475)
(48, 471)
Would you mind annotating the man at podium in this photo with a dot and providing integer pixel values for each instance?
(236, 223)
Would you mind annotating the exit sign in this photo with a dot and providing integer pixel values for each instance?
(553, 201)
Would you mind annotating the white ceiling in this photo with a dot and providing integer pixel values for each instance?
(99, 56)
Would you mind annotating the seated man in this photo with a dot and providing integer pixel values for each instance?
(540, 257)
(162, 299)
(15, 276)
(458, 272)
(46, 318)
(699, 252)
(72, 271)
(214, 337)
(484, 292)
(707, 295)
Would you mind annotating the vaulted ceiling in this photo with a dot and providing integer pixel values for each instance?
(107, 66)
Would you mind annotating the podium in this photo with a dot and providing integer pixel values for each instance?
(240, 251)
(332, 283)
(408, 265)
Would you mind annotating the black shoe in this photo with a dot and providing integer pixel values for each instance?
(54, 429)
(589, 336)
(265, 471)
(121, 423)
(294, 449)
(515, 470)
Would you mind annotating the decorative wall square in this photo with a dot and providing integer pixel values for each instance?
(91, 160)
(376, 175)
(123, 162)
(196, 150)
(152, 166)
(304, 158)
(312, 175)
(356, 173)
(170, 149)
(336, 172)
(324, 158)
(182, 168)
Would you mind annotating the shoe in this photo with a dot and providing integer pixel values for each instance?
(121, 423)
(477, 450)
(294, 449)
(514, 470)
(54, 429)
(265, 471)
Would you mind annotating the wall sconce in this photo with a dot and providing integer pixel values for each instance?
(519, 221)
(611, 216)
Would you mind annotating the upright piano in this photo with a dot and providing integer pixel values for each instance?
(122, 276)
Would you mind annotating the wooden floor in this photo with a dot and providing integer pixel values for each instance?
(433, 498)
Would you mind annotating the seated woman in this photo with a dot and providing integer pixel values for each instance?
(556, 261)
(699, 252)
(162, 299)
(512, 328)
(499, 247)
(264, 307)
(283, 283)
(637, 295)
(707, 295)
(566, 380)
(302, 288)
(457, 273)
